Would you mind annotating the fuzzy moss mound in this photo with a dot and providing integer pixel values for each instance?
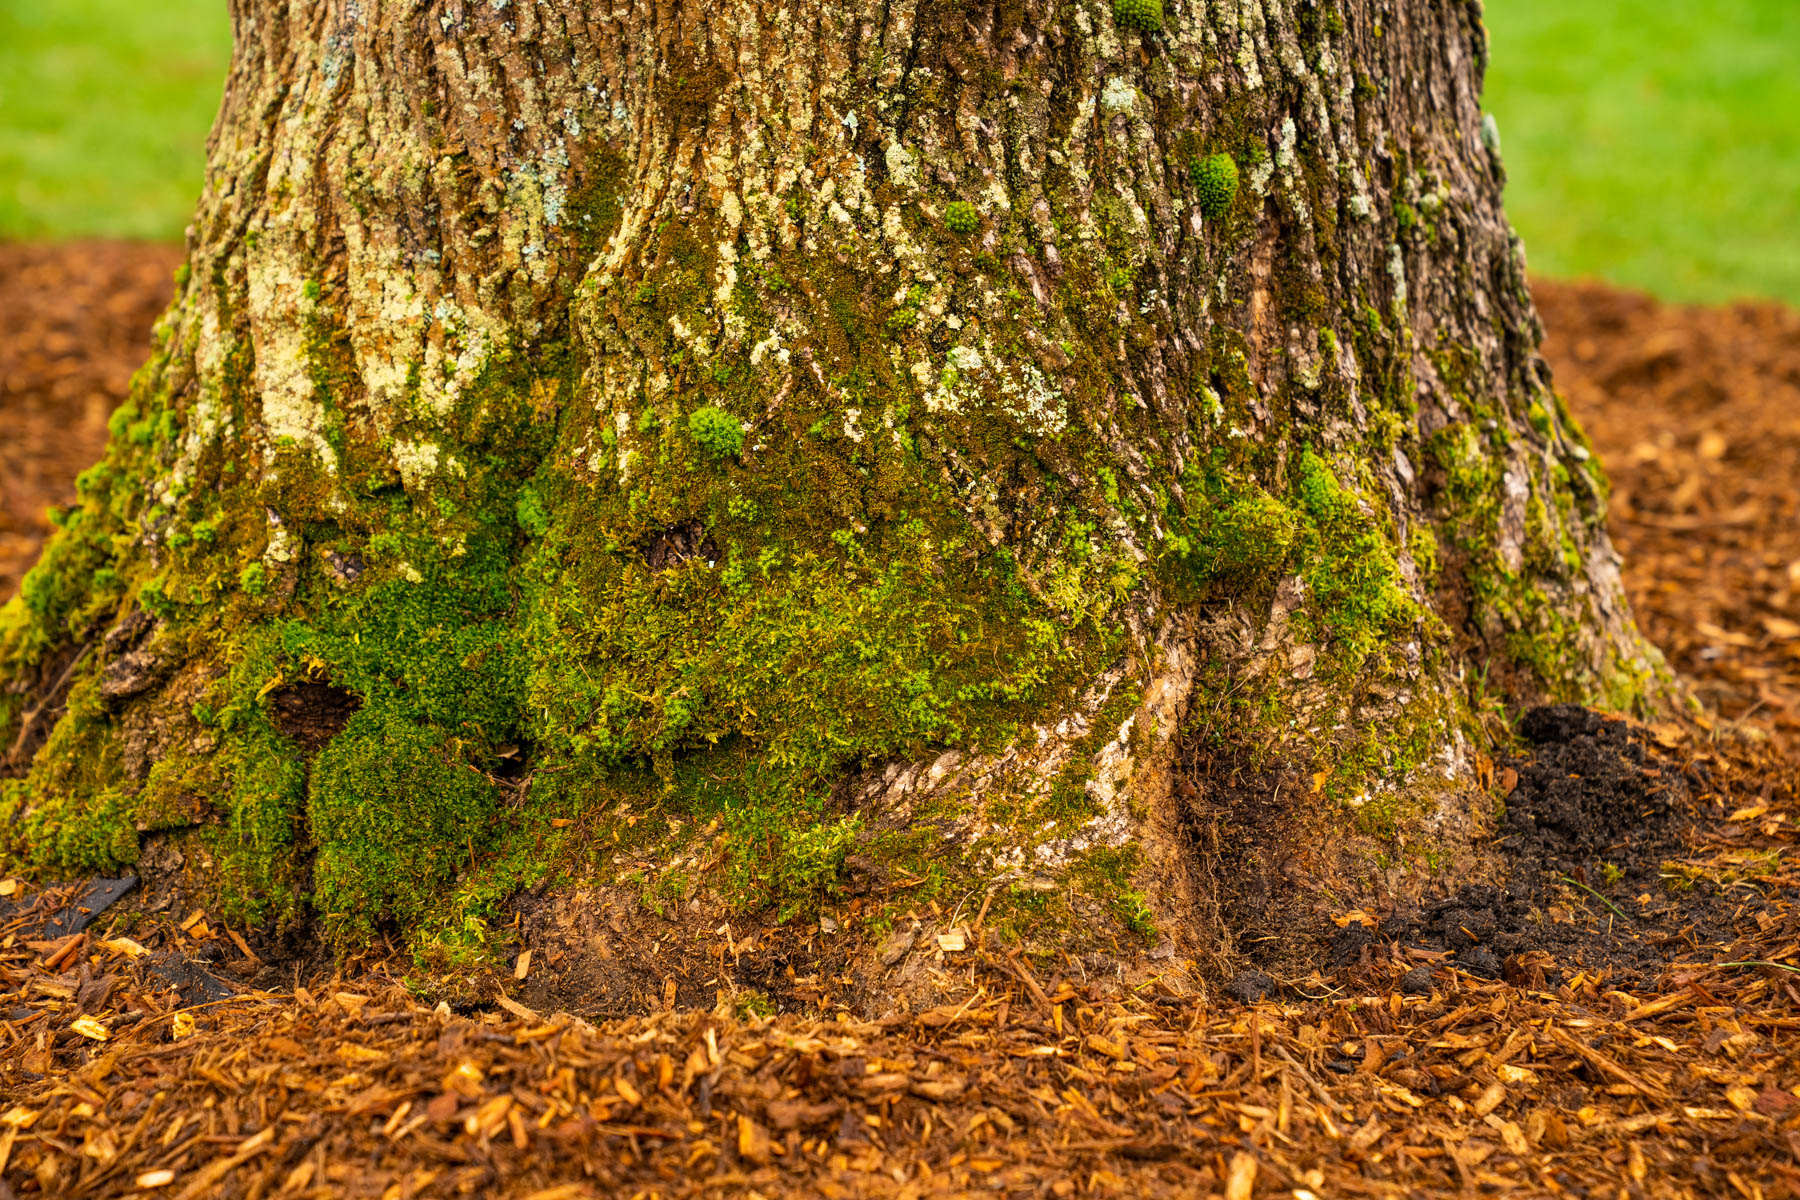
(392, 808)
(960, 217)
(1215, 180)
(716, 431)
(1143, 15)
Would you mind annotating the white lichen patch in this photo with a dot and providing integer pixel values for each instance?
(417, 462)
(282, 546)
(275, 300)
(903, 168)
(1119, 96)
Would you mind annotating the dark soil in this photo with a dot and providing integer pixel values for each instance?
(1596, 812)
(312, 713)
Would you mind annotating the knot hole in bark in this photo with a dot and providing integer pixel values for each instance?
(677, 544)
(312, 713)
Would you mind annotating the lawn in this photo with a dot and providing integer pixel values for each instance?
(104, 108)
(1655, 145)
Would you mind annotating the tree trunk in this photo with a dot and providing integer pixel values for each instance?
(1086, 460)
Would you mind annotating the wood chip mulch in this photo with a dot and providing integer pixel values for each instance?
(1017, 1088)
(1696, 414)
(74, 324)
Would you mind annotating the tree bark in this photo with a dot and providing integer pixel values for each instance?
(820, 458)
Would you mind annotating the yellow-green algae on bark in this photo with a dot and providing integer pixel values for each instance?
(761, 437)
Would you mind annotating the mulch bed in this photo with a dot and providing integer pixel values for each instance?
(1696, 414)
(74, 324)
(1638, 1040)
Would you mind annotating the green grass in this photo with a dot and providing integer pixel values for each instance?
(104, 108)
(1653, 144)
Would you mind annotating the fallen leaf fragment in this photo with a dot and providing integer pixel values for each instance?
(753, 1142)
(353, 1052)
(464, 1079)
(1242, 1177)
(563, 1191)
(515, 1008)
(1489, 1100)
(1367, 1136)
(88, 1027)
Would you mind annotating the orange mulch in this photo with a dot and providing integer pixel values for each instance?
(119, 1076)
(1012, 1086)
(1696, 414)
(74, 324)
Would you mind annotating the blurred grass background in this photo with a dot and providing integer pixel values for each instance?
(1651, 144)
(104, 108)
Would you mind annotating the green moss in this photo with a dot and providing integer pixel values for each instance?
(960, 217)
(1350, 570)
(1422, 544)
(716, 431)
(1215, 180)
(808, 866)
(97, 838)
(533, 517)
(1106, 875)
(1249, 537)
(396, 811)
(1143, 15)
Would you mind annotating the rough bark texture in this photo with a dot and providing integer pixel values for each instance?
(819, 456)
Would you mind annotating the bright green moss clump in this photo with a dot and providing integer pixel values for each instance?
(1144, 15)
(1249, 537)
(393, 808)
(717, 432)
(1215, 180)
(1352, 572)
(961, 217)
